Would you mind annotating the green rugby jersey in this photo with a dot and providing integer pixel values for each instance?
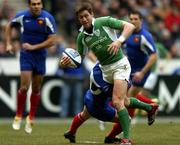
(104, 33)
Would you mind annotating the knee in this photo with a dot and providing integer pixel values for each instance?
(24, 89)
(84, 116)
(126, 101)
(118, 104)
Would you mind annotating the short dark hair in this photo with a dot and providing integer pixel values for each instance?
(81, 6)
(29, 2)
(136, 13)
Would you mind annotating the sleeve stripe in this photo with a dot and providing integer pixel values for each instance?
(147, 43)
(49, 24)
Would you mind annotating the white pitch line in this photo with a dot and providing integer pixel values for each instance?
(90, 142)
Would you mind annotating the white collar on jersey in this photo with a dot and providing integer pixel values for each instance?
(82, 27)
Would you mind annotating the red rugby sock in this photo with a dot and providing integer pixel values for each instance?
(131, 112)
(21, 100)
(34, 99)
(144, 99)
(76, 123)
(115, 130)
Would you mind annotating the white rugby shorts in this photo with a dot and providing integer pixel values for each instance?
(119, 70)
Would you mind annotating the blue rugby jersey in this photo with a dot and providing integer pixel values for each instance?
(98, 85)
(35, 30)
(97, 98)
(138, 48)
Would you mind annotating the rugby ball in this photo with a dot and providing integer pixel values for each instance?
(74, 56)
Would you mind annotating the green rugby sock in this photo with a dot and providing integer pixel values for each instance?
(135, 103)
(124, 122)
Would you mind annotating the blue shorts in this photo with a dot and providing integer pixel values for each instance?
(98, 107)
(142, 82)
(32, 61)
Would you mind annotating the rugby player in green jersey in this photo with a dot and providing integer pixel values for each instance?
(99, 36)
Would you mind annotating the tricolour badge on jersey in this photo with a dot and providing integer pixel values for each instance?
(136, 39)
(40, 21)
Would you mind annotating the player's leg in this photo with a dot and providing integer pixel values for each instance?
(150, 108)
(34, 101)
(38, 68)
(112, 135)
(134, 92)
(22, 93)
(119, 94)
(35, 94)
(116, 130)
(105, 112)
(121, 76)
(134, 103)
(78, 120)
(25, 80)
(137, 87)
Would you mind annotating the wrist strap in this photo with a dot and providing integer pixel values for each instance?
(121, 39)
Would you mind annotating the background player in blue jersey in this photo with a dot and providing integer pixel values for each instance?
(97, 104)
(141, 52)
(37, 33)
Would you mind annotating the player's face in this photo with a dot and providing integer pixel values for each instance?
(135, 19)
(85, 18)
(35, 7)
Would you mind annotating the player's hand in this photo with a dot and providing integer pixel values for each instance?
(114, 47)
(138, 76)
(9, 48)
(28, 46)
(64, 61)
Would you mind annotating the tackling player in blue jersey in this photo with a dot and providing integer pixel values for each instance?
(97, 103)
(141, 53)
(38, 30)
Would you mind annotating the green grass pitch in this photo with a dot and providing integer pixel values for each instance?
(51, 133)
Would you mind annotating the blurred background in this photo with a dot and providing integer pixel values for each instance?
(61, 89)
